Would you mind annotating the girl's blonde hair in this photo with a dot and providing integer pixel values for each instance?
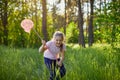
(58, 33)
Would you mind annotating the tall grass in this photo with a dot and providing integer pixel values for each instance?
(94, 63)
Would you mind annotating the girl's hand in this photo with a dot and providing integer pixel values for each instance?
(43, 42)
(59, 63)
(42, 48)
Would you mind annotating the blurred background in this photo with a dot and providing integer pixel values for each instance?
(92, 29)
(82, 21)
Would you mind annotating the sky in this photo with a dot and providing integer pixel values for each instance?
(61, 6)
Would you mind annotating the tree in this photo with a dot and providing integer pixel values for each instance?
(80, 25)
(65, 19)
(90, 28)
(4, 17)
(44, 20)
(54, 15)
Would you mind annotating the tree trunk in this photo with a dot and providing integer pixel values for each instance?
(100, 5)
(35, 2)
(80, 25)
(1, 20)
(4, 17)
(44, 20)
(87, 19)
(54, 16)
(90, 28)
(65, 19)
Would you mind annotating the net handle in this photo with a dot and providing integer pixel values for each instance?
(37, 34)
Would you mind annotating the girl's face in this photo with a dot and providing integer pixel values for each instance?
(58, 41)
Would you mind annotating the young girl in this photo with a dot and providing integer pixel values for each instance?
(54, 51)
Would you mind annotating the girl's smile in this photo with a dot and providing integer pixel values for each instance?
(58, 41)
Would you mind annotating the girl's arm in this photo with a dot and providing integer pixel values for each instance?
(43, 47)
(62, 58)
(63, 53)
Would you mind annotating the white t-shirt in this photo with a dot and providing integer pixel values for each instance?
(52, 51)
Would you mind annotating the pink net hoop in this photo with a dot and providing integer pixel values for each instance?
(27, 25)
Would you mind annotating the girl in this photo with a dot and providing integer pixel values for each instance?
(53, 49)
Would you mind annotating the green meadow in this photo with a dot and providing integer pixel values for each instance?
(93, 63)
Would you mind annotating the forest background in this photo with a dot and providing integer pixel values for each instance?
(92, 29)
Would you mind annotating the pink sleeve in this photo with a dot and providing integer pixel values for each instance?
(48, 44)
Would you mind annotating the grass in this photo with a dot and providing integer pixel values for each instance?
(94, 63)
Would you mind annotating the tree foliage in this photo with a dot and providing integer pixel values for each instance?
(106, 18)
(108, 24)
